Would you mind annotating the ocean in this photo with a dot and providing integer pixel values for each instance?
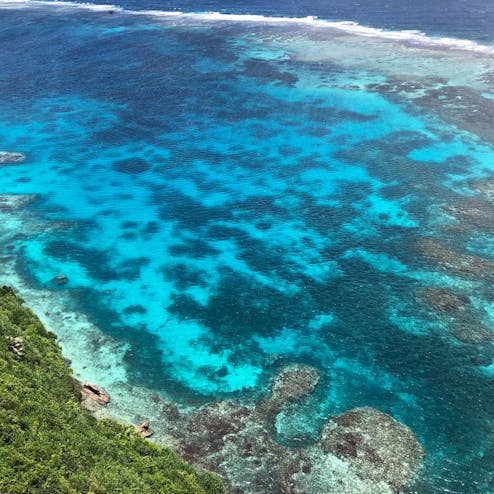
(209, 192)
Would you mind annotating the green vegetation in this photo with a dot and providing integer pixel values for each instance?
(49, 444)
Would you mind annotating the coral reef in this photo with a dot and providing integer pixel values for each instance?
(463, 320)
(471, 332)
(291, 384)
(465, 265)
(361, 450)
(12, 202)
(376, 446)
(484, 186)
(443, 300)
(475, 212)
(131, 166)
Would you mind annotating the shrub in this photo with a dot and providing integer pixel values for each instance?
(49, 444)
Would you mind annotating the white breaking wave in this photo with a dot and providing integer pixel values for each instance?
(348, 27)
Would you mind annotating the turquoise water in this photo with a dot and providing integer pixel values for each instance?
(226, 195)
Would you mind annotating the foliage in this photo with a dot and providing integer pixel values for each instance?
(49, 444)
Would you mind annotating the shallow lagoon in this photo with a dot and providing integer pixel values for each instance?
(228, 196)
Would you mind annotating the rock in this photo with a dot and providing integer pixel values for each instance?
(93, 396)
(60, 279)
(16, 344)
(8, 158)
(376, 446)
(143, 429)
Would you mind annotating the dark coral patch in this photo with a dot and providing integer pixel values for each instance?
(135, 309)
(131, 166)
(151, 228)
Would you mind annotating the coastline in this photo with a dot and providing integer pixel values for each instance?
(399, 143)
(219, 437)
(94, 357)
(50, 443)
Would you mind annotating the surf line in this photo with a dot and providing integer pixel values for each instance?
(417, 38)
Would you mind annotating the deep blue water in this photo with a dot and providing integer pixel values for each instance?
(224, 193)
(470, 19)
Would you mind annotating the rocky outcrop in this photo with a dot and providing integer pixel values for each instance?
(60, 279)
(16, 345)
(9, 158)
(143, 429)
(93, 396)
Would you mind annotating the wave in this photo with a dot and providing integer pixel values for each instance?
(346, 27)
